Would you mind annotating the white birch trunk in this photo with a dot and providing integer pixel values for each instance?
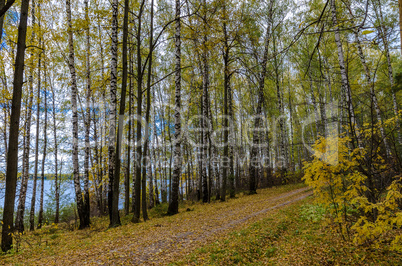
(73, 80)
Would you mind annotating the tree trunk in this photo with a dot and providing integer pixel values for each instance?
(138, 155)
(42, 187)
(76, 174)
(400, 21)
(115, 155)
(127, 177)
(147, 121)
(372, 92)
(102, 158)
(225, 165)
(205, 120)
(12, 156)
(256, 136)
(87, 117)
(151, 184)
(56, 177)
(19, 220)
(344, 75)
(35, 177)
(2, 3)
(383, 34)
(156, 162)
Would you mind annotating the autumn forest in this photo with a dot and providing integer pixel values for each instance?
(201, 132)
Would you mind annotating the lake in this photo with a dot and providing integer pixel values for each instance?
(67, 194)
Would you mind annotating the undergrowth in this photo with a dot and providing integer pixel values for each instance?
(295, 235)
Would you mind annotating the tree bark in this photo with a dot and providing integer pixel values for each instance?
(138, 155)
(114, 154)
(147, 121)
(344, 75)
(204, 107)
(42, 187)
(12, 156)
(127, 177)
(226, 85)
(256, 136)
(74, 91)
(87, 117)
(56, 176)
(177, 160)
(2, 3)
(372, 92)
(400, 21)
(35, 177)
(383, 34)
(19, 219)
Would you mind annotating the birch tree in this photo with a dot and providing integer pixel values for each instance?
(73, 80)
(177, 160)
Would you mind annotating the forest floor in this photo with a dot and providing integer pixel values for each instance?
(278, 225)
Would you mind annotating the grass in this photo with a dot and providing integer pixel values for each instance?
(294, 235)
(60, 244)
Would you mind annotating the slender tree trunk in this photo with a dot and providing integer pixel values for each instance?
(344, 75)
(292, 159)
(2, 3)
(19, 220)
(87, 117)
(35, 177)
(257, 123)
(42, 187)
(372, 92)
(102, 157)
(315, 106)
(12, 156)
(383, 34)
(282, 127)
(6, 115)
(200, 152)
(225, 165)
(97, 160)
(147, 121)
(138, 156)
(151, 185)
(232, 185)
(210, 150)
(76, 174)
(127, 177)
(114, 155)
(157, 162)
(56, 177)
(205, 121)
(134, 145)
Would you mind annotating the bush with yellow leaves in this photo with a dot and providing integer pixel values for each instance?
(360, 191)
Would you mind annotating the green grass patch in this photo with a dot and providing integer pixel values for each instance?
(294, 235)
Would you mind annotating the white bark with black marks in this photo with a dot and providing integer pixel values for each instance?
(74, 91)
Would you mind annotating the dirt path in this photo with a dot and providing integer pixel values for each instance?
(169, 242)
(163, 240)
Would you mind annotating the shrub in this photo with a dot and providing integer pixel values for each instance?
(360, 199)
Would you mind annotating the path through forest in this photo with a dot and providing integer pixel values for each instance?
(177, 237)
(166, 239)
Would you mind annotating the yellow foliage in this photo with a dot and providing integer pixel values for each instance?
(342, 188)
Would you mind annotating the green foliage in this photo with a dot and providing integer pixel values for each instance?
(159, 210)
(312, 212)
